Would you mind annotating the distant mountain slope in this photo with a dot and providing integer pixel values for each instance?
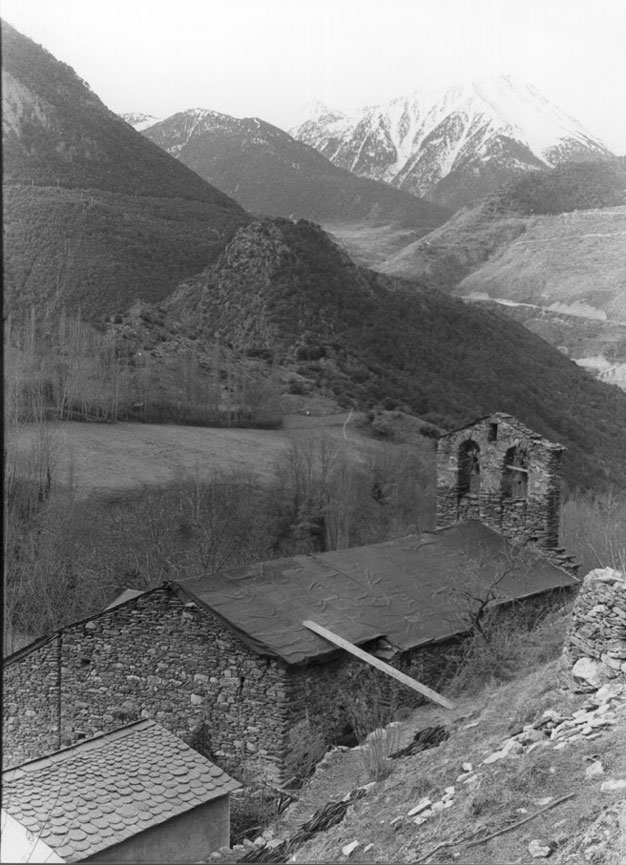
(477, 233)
(574, 262)
(550, 246)
(271, 173)
(95, 215)
(286, 290)
(452, 146)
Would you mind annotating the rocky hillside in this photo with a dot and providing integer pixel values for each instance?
(528, 764)
(452, 146)
(270, 173)
(285, 291)
(477, 233)
(548, 248)
(95, 215)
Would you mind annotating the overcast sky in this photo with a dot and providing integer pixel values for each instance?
(267, 58)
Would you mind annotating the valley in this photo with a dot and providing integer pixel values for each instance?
(236, 358)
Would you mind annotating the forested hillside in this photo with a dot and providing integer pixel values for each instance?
(285, 289)
(95, 215)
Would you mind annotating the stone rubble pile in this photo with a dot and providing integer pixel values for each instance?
(596, 640)
(605, 708)
(426, 808)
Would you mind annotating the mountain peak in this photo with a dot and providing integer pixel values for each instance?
(140, 121)
(316, 110)
(456, 142)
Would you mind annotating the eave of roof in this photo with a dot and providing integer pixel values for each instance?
(98, 793)
(409, 590)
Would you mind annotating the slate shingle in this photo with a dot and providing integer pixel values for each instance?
(86, 798)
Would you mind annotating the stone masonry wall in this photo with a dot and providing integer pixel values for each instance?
(531, 518)
(322, 696)
(30, 705)
(596, 640)
(154, 657)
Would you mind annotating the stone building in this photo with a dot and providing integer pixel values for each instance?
(137, 794)
(500, 472)
(226, 663)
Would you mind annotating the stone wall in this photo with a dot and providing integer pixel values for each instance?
(30, 705)
(596, 640)
(153, 657)
(159, 657)
(323, 697)
(528, 514)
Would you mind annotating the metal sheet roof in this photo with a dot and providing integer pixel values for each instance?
(412, 591)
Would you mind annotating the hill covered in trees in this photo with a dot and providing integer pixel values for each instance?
(284, 290)
(95, 214)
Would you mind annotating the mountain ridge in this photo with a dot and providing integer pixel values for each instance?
(287, 290)
(114, 217)
(270, 173)
(452, 145)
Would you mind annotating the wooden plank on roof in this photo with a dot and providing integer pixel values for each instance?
(376, 662)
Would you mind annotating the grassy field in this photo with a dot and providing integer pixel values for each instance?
(102, 458)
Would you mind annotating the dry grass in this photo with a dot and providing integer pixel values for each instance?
(505, 792)
(125, 456)
(572, 258)
(592, 529)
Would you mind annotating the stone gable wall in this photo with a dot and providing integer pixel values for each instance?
(534, 518)
(154, 658)
(30, 705)
(157, 657)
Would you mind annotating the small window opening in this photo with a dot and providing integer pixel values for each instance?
(469, 469)
(515, 473)
(492, 435)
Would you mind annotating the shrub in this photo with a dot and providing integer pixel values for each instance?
(252, 808)
(592, 529)
(513, 639)
(371, 706)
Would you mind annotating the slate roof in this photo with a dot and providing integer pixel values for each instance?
(84, 799)
(408, 590)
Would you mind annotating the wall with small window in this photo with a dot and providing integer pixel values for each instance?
(502, 473)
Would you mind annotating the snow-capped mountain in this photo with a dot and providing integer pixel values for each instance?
(269, 172)
(140, 121)
(452, 145)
